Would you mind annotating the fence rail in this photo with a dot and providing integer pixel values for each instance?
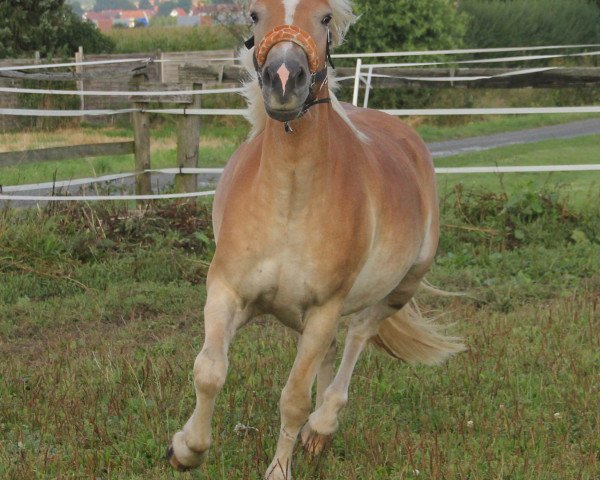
(65, 153)
(139, 80)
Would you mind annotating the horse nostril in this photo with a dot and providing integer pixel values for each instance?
(267, 77)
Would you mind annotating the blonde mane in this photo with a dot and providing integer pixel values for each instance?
(257, 116)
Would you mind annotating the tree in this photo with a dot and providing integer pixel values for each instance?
(185, 4)
(405, 25)
(145, 4)
(47, 26)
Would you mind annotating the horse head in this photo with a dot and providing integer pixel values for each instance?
(292, 39)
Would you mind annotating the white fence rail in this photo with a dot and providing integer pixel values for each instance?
(359, 77)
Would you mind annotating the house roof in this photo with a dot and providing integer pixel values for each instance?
(134, 14)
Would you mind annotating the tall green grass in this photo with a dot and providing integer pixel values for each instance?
(172, 39)
(499, 23)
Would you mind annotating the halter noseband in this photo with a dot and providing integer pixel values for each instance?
(292, 33)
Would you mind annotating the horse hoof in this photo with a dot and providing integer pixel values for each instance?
(314, 443)
(170, 456)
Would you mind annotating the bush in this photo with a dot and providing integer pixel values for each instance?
(498, 23)
(403, 25)
(48, 26)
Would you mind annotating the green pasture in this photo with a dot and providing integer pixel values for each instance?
(101, 318)
(579, 187)
(217, 144)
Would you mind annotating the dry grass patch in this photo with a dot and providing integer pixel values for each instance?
(17, 141)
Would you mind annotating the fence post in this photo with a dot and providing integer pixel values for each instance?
(79, 70)
(159, 73)
(141, 136)
(357, 80)
(188, 147)
(368, 88)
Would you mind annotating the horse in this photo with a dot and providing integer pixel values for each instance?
(326, 213)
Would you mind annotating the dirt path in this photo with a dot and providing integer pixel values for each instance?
(477, 144)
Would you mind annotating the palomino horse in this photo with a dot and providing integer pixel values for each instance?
(327, 211)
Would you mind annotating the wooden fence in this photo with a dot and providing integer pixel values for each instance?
(188, 138)
(191, 70)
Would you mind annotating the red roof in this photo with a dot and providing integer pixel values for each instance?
(134, 14)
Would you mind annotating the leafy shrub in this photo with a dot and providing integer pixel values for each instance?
(510, 221)
(405, 25)
(48, 26)
(385, 26)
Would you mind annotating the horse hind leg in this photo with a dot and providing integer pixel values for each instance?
(402, 333)
(222, 318)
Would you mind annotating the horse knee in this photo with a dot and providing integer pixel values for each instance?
(209, 373)
(295, 404)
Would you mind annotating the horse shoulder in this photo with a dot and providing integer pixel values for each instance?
(239, 170)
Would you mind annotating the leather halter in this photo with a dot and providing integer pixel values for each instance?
(292, 33)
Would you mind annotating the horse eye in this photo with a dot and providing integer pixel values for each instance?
(254, 17)
(327, 19)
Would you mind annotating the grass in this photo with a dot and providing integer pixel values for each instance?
(172, 39)
(218, 141)
(579, 185)
(101, 318)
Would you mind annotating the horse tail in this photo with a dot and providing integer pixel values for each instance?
(407, 336)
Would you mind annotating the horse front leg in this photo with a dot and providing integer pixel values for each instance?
(314, 443)
(222, 317)
(295, 402)
(323, 422)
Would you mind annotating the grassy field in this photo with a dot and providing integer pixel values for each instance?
(580, 187)
(218, 142)
(101, 318)
(173, 39)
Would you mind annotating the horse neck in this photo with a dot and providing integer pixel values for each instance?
(297, 164)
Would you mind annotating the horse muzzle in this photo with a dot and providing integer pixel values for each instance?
(286, 61)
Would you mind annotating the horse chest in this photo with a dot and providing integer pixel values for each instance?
(286, 276)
